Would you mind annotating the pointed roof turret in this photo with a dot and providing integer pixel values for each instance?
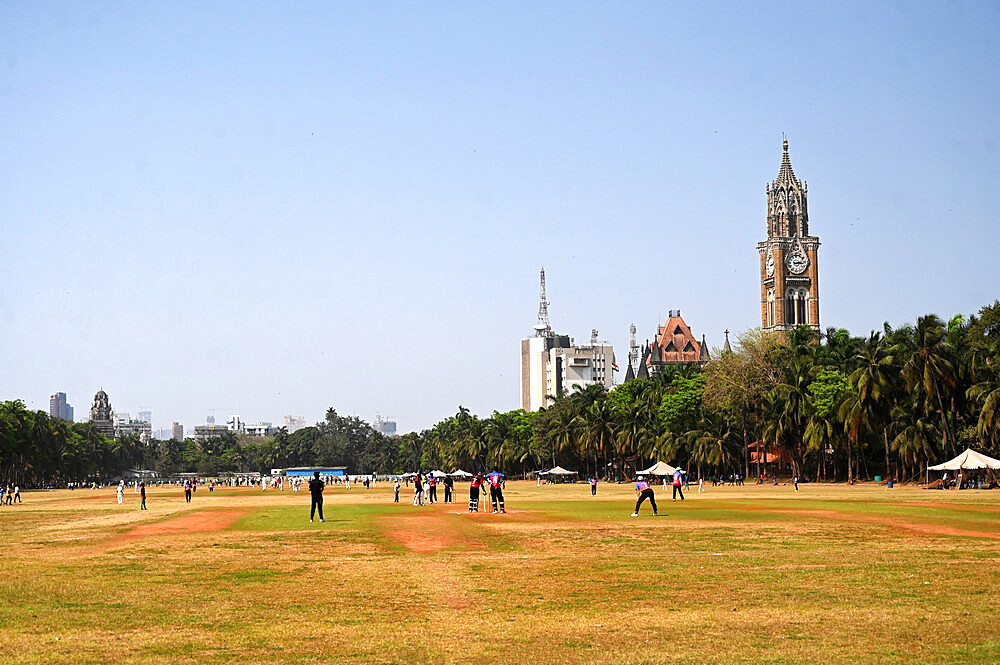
(629, 374)
(704, 357)
(785, 173)
(726, 348)
(643, 371)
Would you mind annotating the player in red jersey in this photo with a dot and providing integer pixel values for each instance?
(496, 489)
(643, 491)
(477, 482)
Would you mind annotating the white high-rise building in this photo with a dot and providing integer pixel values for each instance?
(550, 363)
(293, 423)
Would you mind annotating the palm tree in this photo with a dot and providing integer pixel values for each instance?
(597, 429)
(874, 382)
(633, 431)
(986, 393)
(916, 438)
(795, 408)
(713, 443)
(930, 369)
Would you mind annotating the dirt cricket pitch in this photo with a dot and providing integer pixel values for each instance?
(830, 574)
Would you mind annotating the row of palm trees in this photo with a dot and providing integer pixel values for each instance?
(823, 406)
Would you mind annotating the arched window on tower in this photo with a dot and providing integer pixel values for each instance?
(770, 307)
(801, 304)
(790, 307)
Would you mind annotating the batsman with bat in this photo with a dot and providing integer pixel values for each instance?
(496, 489)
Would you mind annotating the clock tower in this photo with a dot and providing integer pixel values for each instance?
(789, 275)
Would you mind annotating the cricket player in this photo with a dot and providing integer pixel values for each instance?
(477, 482)
(496, 489)
(643, 491)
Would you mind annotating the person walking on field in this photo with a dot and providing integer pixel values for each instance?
(121, 492)
(477, 482)
(496, 489)
(593, 487)
(643, 491)
(142, 496)
(678, 480)
(316, 492)
(187, 491)
(432, 489)
(396, 488)
(449, 486)
(17, 494)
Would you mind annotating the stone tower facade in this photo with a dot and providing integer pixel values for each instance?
(789, 272)
(102, 415)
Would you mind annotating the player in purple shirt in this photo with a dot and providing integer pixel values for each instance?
(643, 491)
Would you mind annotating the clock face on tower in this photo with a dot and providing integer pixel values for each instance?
(797, 262)
(769, 264)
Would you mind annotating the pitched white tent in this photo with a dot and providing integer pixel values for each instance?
(557, 471)
(658, 469)
(458, 473)
(969, 459)
(437, 474)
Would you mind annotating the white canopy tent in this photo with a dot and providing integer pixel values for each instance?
(458, 473)
(969, 459)
(437, 473)
(557, 471)
(658, 469)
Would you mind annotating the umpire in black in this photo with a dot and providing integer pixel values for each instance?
(316, 490)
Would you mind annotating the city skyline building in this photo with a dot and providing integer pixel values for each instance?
(551, 363)
(59, 407)
(126, 425)
(177, 431)
(294, 423)
(385, 427)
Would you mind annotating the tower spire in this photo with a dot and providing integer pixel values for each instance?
(543, 327)
(785, 173)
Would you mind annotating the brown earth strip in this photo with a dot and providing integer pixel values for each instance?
(931, 529)
(192, 522)
(429, 531)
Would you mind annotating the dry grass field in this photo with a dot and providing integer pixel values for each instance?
(830, 574)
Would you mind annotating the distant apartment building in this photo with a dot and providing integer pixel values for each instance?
(293, 423)
(206, 432)
(177, 431)
(385, 427)
(236, 424)
(146, 417)
(126, 425)
(59, 408)
(261, 429)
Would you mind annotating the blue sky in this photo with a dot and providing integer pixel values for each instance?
(274, 208)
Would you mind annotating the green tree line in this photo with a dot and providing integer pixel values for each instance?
(824, 406)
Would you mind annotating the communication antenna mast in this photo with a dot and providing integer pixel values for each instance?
(593, 336)
(542, 328)
(633, 349)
